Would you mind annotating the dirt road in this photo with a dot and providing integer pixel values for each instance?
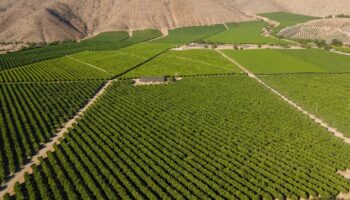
(19, 176)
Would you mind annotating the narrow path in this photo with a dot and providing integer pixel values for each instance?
(339, 52)
(165, 33)
(290, 102)
(227, 28)
(19, 176)
(85, 63)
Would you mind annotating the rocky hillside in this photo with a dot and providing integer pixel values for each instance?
(327, 29)
(52, 20)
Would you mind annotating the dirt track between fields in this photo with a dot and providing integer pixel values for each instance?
(290, 102)
(19, 176)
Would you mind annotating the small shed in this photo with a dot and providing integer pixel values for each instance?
(154, 79)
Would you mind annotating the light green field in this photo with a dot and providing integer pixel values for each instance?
(245, 32)
(287, 19)
(325, 95)
(270, 61)
(116, 62)
(190, 34)
(189, 62)
(109, 36)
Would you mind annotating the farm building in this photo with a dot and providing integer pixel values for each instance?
(154, 79)
(145, 80)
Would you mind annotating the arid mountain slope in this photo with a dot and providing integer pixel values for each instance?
(318, 8)
(51, 20)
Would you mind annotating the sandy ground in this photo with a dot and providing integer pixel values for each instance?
(19, 176)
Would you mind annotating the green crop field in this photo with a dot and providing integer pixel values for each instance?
(245, 32)
(200, 138)
(324, 95)
(59, 69)
(109, 36)
(291, 61)
(188, 62)
(212, 133)
(189, 34)
(116, 62)
(30, 115)
(103, 41)
(287, 19)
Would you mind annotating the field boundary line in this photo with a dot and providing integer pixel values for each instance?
(140, 64)
(197, 61)
(88, 64)
(8, 186)
(317, 120)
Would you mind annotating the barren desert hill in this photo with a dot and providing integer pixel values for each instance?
(53, 20)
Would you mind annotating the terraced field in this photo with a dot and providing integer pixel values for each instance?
(325, 95)
(30, 115)
(193, 139)
(269, 61)
(245, 32)
(182, 63)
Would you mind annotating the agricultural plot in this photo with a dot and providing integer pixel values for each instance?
(190, 34)
(291, 61)
(59, 69)
(109, 37)
(30, 115)
(104, 41)
(188, 62)
(116, 62)
(245, 32)
(200, 138)
(287, 19)
(325, 95)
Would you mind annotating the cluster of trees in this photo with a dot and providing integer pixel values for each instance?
(30, 115)
(164, 142)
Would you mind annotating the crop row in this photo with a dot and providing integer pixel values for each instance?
(325, 95)
(187, 62)
(59, 69)
(30, 115)
(121, 60)
(200, 138)
(102, 42)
